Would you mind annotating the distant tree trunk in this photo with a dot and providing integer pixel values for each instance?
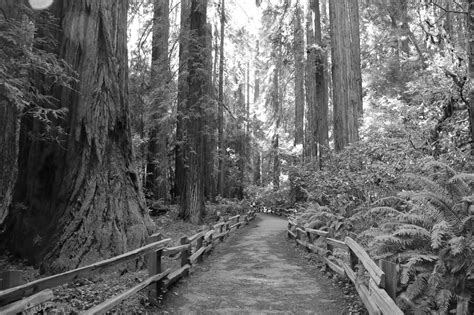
(277, 109)
(310, 133)
(355, 76)
(298, 38)
(256, 90)
(9, 131)
(184, 34)
(220, 114)
(83, 198)
(199, 81)
(240, 147)
(471, 70)
(157, 168)
(210, 122)
(321, 91)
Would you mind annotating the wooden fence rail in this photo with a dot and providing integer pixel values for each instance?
(378, 292)
(191, 250)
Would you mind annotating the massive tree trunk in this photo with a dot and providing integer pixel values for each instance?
(199, 81)
(184, 34)
(310, 133)
(220, 112)
(321, 91)
(82, 197)
(298, 38)
(157, 168)
(9, 130)
(9, 137)
(471, 71)
(355, 76)
(345, 110)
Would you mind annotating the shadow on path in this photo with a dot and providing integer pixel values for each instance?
(256, 271)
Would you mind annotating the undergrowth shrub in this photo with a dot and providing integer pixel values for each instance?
(427, 230)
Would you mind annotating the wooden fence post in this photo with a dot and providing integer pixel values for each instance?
(198, 247)
(10, 279)
(221, 231)
(153, 262)
(391, 277)
(185, 253)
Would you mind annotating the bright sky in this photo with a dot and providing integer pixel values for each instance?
(40, 4)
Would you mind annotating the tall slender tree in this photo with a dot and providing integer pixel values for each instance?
(184, 35)
(157, 168)
(220, 100)
(198, 98)
(321, 90)
(471, 71)
(82, 195)
(298, 38)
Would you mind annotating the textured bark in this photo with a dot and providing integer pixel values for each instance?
(9, 137)
(277, 109)
(9, 131)
(184, 35)
(471, 71)
(355, 76)
(157, 168)
(298, 38)
(210, 121)
(199, 81)
(310, 137)
(220, 113)
(345, 110)
(354, 58)
(321, 88)
(82, 196)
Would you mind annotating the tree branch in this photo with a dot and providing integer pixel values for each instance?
(446, 10)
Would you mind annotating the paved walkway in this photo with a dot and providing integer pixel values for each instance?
(256, 271)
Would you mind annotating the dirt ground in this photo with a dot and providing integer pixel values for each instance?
(258, 271)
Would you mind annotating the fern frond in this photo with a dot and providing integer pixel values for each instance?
(424, 183)
(445, 167)
(385, 210)
(440, 233)
(423, 220)
(443, 298)
(442, 203)
(392, 201)
(418, 286)
(413, 231)
(460, 184)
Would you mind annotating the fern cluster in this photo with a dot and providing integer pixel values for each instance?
(427, 231)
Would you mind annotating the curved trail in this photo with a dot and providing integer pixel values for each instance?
(256, 271)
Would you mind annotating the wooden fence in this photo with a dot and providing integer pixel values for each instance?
(191, 249)
(376, 284)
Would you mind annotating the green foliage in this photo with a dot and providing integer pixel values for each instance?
(30, 70)
(430, 241)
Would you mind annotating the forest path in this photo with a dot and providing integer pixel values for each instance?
(256, 271)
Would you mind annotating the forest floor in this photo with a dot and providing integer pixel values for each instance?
(258, 272)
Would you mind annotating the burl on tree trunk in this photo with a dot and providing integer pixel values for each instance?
(82, 195)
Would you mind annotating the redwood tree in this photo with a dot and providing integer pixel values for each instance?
(82, 197)
(298, 39)
(157, 168)
(199, 82)
(9, 122)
